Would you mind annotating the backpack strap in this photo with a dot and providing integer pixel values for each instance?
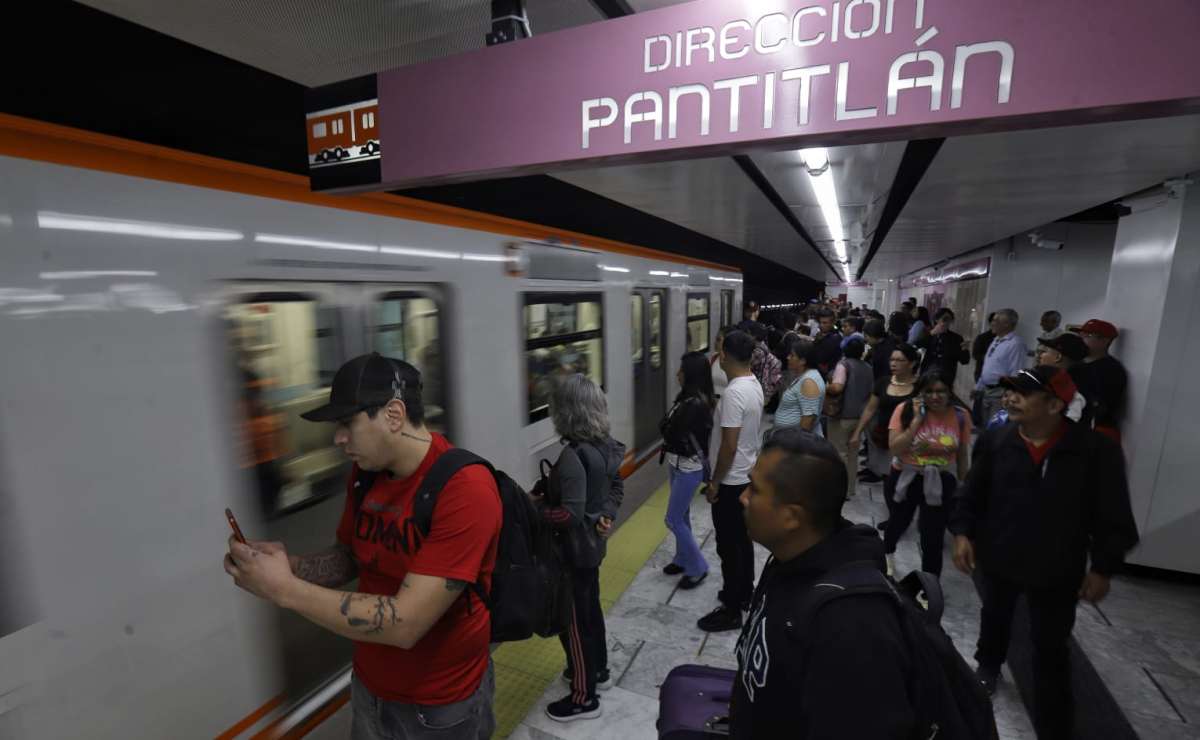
(857, 578)
(363, 480)
(444, 468)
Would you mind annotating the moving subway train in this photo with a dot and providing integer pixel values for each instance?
(165, 319)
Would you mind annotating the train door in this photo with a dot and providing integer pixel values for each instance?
(648, 308)
(726, 308)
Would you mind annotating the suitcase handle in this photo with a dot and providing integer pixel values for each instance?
(718, 724)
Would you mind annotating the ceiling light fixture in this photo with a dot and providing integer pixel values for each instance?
(300, 241)
(610, 268)
(820, 173)
(88, 274)
(97, 224)
(660, 273)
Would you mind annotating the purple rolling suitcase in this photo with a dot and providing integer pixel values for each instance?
(693, 703)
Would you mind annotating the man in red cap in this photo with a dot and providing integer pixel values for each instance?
(1106, 377)
(1044, 511)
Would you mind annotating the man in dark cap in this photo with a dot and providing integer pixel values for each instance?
(1106, 377)
(420, 631)
(1045, 512)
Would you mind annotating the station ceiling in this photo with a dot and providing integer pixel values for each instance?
(945, 198)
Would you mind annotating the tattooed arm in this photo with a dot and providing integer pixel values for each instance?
(331, 568)
(400, 620)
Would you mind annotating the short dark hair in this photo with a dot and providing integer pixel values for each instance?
(854, 321)
(810, 473)
(874, 329)
(824, 313)
(854, 349)
(943, 312)
(806, 351)
(756, 330)
(910, 352)
(738, 345)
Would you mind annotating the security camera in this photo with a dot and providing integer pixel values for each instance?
(1040, 242)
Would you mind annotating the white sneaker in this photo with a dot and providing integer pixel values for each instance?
(891, 565)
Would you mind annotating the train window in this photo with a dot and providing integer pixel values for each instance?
(563, 334)
(319, 130)
(406, 326)
(636, 303)
(656, 348)
(697, 322)
(286, 348)
(368, 120)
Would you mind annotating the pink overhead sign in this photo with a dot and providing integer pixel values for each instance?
(714, 77)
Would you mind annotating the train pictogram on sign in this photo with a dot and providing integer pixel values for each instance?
(348, 133)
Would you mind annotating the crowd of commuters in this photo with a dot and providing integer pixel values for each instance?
(1037, 504)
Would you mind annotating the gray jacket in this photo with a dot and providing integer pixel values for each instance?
(592, 487)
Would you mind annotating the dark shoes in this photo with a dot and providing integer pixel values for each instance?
(988, 677)
(566, 710)
(721, 619)
(687, 583)
(867, 476)
(672, 569)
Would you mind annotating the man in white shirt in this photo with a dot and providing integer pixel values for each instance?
(740, 418)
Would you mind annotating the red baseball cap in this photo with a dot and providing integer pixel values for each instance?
(1099, 328)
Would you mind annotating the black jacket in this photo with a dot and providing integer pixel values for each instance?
(814, 680)
(829, 351)
(1037, 525)
(881, 357)
(946, 352)
(690, 418)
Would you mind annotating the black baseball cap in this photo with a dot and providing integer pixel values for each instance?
(364, 382)
(1068, 345)
(1045, 378)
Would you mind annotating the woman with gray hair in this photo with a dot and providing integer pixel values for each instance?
(583, 491)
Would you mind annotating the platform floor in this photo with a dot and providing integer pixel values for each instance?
(1143, 641)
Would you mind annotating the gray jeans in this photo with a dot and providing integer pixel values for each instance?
(378, 719)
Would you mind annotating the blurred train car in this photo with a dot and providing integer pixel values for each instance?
(165, 319)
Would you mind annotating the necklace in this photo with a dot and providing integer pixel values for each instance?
(897, 382)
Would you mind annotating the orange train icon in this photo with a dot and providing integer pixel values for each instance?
(348, 133)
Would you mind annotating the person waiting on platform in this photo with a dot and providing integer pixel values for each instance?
(686, 431)
(843, 670)
(888, 394)
(801, 402)
(1004, 358)
(1107, 378)
(740, 420)
(918, 332)
(852, 328)
(765, 365)
(846, 397)
(419, 627)
(828, 342)
(1044, 511)
(588, 473)
(1067, 351)
(929, 436)
(945, 350)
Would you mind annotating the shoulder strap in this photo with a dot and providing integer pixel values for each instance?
(856, 578)
(363, 480)
(444, 468)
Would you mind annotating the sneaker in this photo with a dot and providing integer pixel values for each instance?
(867, 476)
(721, 619)
(687, 582)
(672, 569)
(603, 683)
(566, 710)
(988, 677)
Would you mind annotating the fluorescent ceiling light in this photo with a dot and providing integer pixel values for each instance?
(817, 160)
(71, 222)
(679, 274)
(299, 241)
(662, 273)
(28, 295)
(87, 274)
(609, 268)
(414, 252)
(474, 257)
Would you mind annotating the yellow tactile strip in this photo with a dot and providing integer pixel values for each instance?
(524, 669)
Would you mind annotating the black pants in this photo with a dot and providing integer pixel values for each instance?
(1051, 618)
(734, 548)
(931, 525)
(585, 640)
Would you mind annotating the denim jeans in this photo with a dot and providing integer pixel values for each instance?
(379, 719)
(679, 521)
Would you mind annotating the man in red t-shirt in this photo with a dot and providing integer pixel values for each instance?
(421, 662)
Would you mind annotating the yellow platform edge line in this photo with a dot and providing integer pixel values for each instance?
(525, 669)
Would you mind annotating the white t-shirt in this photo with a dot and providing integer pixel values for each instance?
(742, 406)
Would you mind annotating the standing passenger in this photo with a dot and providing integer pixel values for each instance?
(686, 432)
(763, 364)
(419, 627)
(1107, 378)
(929, 437)
(945, 347)
(1004, 358)
(801, 402)
(887, 395)
(740, 416)
(980, 346)
(589, 474)
(1043, 498)
(828, 341)
(851, 388)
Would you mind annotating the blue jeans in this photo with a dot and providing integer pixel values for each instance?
(679, 521)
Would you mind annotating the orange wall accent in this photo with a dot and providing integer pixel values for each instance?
(250, 719)
(46, 142)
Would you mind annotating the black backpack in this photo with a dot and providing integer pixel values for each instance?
(950, 702)
(530, 592)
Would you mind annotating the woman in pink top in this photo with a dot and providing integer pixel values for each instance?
(929, 438)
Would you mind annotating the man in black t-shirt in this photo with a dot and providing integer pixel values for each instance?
(881, 348)
(1106, 377)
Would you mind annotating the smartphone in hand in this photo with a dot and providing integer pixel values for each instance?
(233, 524)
